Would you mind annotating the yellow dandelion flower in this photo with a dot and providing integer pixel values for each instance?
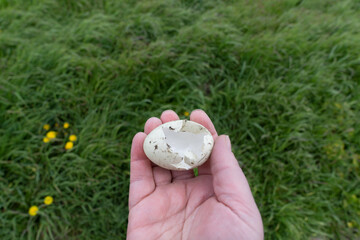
(350, 224)
(66, 125)
(46, 139)
(48, 200)
(354, 197)
(338, 105)
(356, 160)
(72, 138)
(186, 114)
(46, 127)
(69, 145)
(51, 134)
(33, 210)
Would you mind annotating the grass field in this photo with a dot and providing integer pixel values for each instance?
(282, 78)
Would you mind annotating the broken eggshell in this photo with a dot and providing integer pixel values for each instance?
(179, 145)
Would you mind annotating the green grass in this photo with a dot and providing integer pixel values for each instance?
(282, 78)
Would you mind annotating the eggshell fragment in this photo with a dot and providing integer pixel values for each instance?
(179, 145)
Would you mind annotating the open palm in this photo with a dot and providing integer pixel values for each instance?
(164, 204)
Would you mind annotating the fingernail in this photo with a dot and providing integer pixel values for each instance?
(228, 142)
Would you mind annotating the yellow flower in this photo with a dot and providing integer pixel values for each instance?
(338, 105)
(51, 134)
(33, 210)
(354, 197)
(186, 114)
(46, 139)
(66, 125)
(72, 138)
(335, 150)
(69, 145)
(350, 224)
(48, 200)
(356, 159)
(46, 127)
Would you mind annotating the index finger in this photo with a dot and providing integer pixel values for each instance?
(201, 117)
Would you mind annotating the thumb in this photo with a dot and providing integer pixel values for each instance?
(229, 181)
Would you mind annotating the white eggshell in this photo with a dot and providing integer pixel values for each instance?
(179, 145)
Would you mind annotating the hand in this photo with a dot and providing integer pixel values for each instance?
(164, 204)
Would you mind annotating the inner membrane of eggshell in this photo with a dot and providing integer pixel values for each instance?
(187, 145)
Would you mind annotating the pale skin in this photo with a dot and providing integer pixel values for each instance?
(216, 204)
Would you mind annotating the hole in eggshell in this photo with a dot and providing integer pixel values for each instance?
(187, 145)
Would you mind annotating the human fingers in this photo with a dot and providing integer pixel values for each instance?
(141, 174)
(151, 124)
(202, 118)
(168, 116)
(229, 182)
